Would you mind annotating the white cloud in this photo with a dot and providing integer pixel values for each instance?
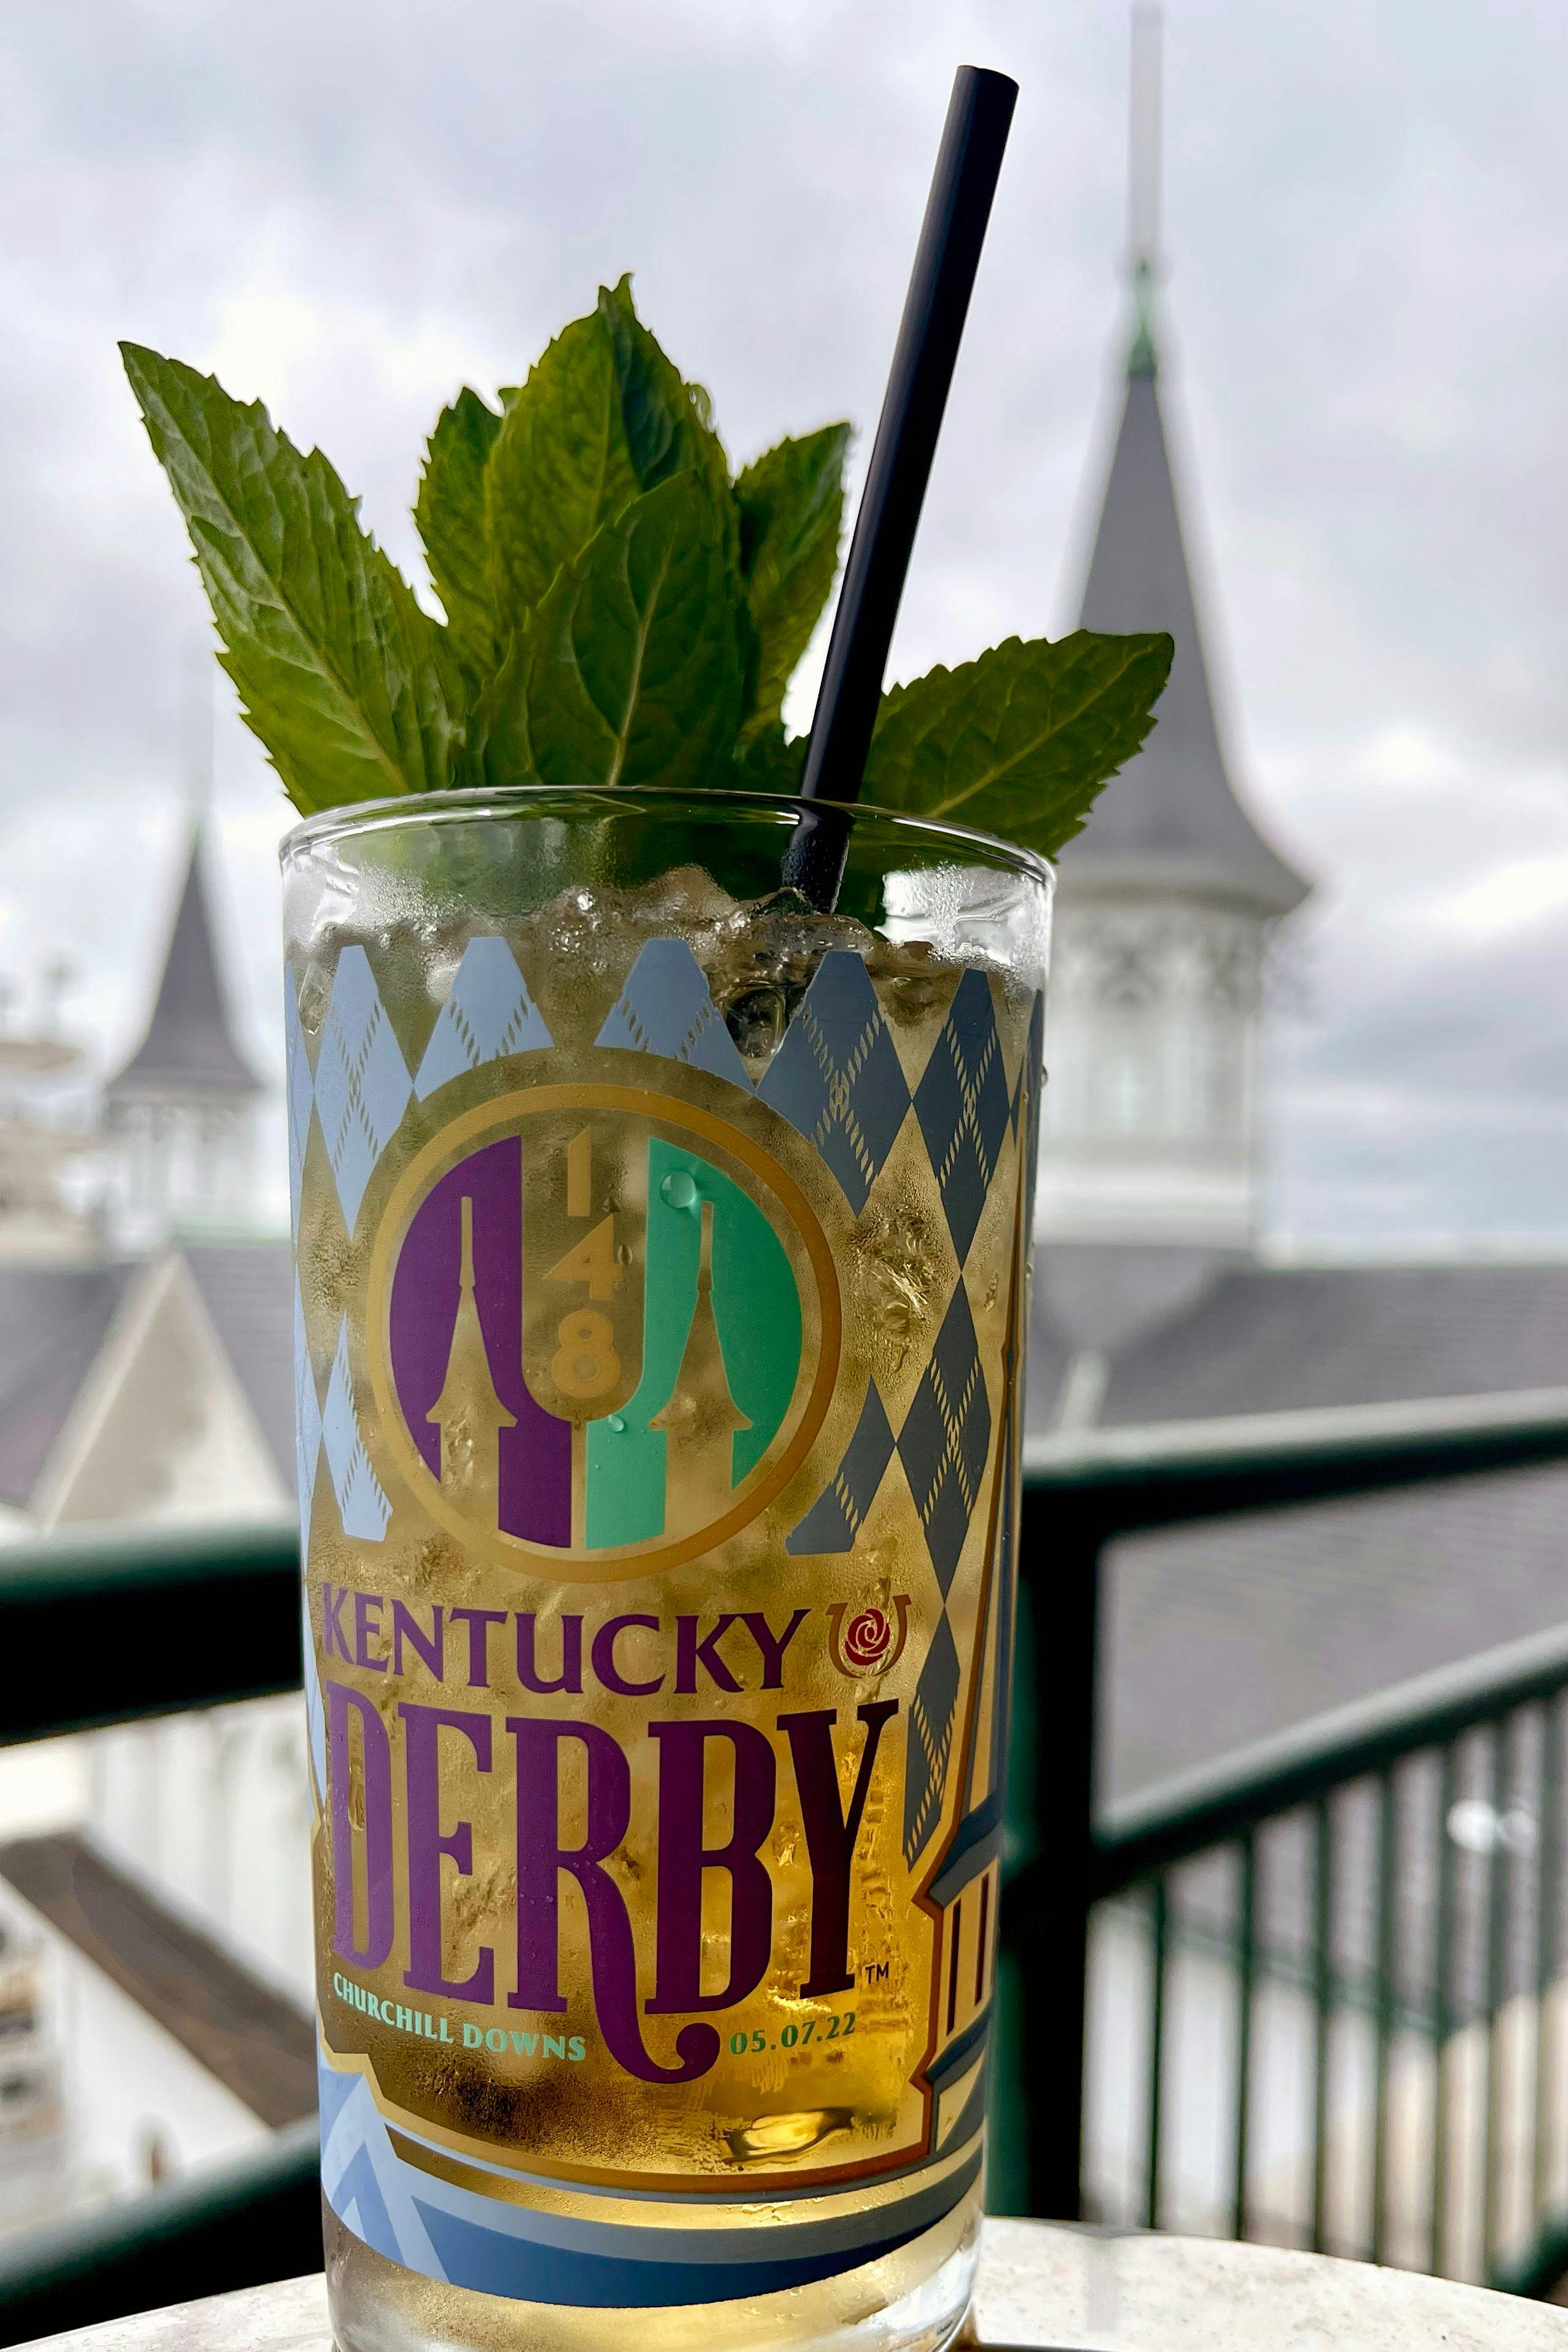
(1510, 896)
(350, 208)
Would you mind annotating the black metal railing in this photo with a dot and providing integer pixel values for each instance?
(118, 1624)
(1370, 1909)
(243, 2222)
(205, 1617)
(1302, 1955)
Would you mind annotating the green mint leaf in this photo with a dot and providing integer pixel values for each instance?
(350, 685)
(562, 465)
(669, 426)
(771, 762)
(498, 751)
(634, 660)
(791, 502)
(1020, 741)
(668, 422)
(604, 416)
(454, 530)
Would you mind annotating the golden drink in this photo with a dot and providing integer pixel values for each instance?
(662, 1253)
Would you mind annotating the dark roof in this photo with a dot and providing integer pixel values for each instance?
(1171, 815)
(53, 1320)
(248, 1290)
(1259, 1338)
(1220, 1635)
(258, 2042)
(189, 1045)
(1105, 1297)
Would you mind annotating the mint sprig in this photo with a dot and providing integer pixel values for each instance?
(617, 609)
(630, 671)
(449, 512)
(353, 688)
(791, 502)
(1020, 741)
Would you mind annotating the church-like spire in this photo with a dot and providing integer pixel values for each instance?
(1172, 817)
(189, 1047)
(1143, 174)
(468, 1412)
(701, 1418)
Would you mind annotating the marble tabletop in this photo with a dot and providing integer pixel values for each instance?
(1043, 2288)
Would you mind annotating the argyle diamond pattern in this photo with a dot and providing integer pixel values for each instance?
(665, 1008)
(962, 1106)
(1031, 1078)
(1035, 1069)
(488, 1013)
(315, 1711)
(362, 1084)
(946, 1439)
(1006, 1541)
(838, 1078)
(307, 1417)
(363, 1507)
(299, 1091)
(835, 1518)
(932, 1712)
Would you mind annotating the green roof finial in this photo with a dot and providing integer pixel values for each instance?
(1143, 360)
(1143, 187)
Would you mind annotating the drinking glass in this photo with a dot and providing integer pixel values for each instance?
(662, 1245)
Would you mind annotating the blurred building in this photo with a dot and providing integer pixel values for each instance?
(39, 1222)
(1166, 908)
(37, 2158)
(1156, 1298)
(180, 1114)
(153, 1962)
(144, 1338)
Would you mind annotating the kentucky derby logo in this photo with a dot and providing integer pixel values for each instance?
(609, 1323)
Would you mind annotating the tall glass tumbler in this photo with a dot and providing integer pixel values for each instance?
(662, 1252)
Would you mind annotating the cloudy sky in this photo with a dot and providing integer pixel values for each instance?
(349, 206)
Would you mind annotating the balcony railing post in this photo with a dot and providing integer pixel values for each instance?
(1062, 1555)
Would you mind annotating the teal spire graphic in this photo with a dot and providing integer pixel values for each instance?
(701, 1418)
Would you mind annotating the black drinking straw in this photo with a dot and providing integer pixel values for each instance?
(935, 307)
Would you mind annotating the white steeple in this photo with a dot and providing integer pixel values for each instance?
(180, 1113)
(1168, 899)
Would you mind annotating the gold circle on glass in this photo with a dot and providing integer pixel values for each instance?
(770, 1189)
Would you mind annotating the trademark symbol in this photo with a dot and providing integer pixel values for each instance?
(874, 1972)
